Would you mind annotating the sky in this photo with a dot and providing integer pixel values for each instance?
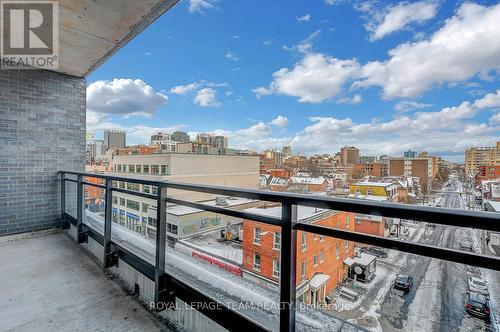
(385, 76)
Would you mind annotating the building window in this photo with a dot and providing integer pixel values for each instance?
(277, 241)
(145, 169)
(131, 168)
(256, 262)
(256, 235)
(125, 168)
(315, 260)
(346, 245)
(276, 268)
(115, 200)
(321, 256)
(337, 251)
(133, 186)
(368, 191)
(321, 238)
(155, 169)
(122, 185)
(119, 168)
(145, 207)
(347, 220)
(171, 228)
(357, 221)
(303, 270)
(138, 168)
(146, 188)
(152, 221)
(122, 201)
(304, 240)
(164, 169)
(315, 237)
(134, 205)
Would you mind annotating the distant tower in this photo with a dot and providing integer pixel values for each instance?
(287, 151)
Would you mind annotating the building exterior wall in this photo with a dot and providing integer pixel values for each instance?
(331, 265)
(481, 156)
(42, 131)
(368, 225)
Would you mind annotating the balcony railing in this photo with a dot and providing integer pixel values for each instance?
(168, 287)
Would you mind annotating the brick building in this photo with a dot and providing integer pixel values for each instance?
(320, 260)
(491, 172)
(368, 169)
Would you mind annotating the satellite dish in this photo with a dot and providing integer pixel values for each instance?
(358, 270)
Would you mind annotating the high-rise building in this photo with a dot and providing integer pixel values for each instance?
(216, 141)
(410, 154)
(114, 139)
(164, 141)
(287, 151)
(481, 156)
(420, 167)
(180, 136)
(349, 155)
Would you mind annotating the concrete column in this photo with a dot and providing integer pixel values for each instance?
(42, 131)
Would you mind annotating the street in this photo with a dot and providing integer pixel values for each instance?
(436, 300)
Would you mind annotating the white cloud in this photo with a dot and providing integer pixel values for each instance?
(491, 100)
(280, 121)
(468, 44)
(126, 97)
(347, 100)
(206, 97)
(407, 106)
(399, 16)
(495, 119)
(184, 89)
(304, 18)
(305, 46)
(314, 79)
(200, 5)
(231, 56)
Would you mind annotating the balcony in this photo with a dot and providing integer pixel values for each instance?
(205, 296)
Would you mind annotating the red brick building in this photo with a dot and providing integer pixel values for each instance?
(488, 172)
(320, 260)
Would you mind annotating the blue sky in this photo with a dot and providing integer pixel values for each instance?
(316, 74)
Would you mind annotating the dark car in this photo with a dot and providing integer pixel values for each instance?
(377, 252)
(478, 305)
(403, 282)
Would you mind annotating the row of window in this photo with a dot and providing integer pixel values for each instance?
(143, 169)
(277, 236)
(131, 204)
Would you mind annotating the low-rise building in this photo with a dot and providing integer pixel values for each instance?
(382, 191)
(320, 260)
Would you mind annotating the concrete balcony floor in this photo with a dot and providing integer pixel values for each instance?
(47, 283)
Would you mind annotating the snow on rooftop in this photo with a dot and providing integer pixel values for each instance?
(307, 180)
(363, 259)
(370, 197)
(210, 243)
(318, 280)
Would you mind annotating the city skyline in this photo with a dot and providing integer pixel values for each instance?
(334, 78)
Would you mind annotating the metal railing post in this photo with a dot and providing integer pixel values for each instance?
(80, 236)
(65, 223)
(288, 271)
(109, 259)
(161, 239)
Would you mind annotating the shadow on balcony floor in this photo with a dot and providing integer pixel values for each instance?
(48, 283)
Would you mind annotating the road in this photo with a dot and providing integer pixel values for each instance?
(436, 301)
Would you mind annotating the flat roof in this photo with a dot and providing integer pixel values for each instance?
(180, 210)
(210, 243)
(372, 183)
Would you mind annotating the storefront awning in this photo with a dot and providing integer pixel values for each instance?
(318, 280)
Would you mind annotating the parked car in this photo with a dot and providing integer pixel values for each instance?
(477, 305)
(375, 251)
(465, 246)
(477, 285)
(403, 282)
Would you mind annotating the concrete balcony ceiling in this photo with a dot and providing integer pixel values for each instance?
(90, 31)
